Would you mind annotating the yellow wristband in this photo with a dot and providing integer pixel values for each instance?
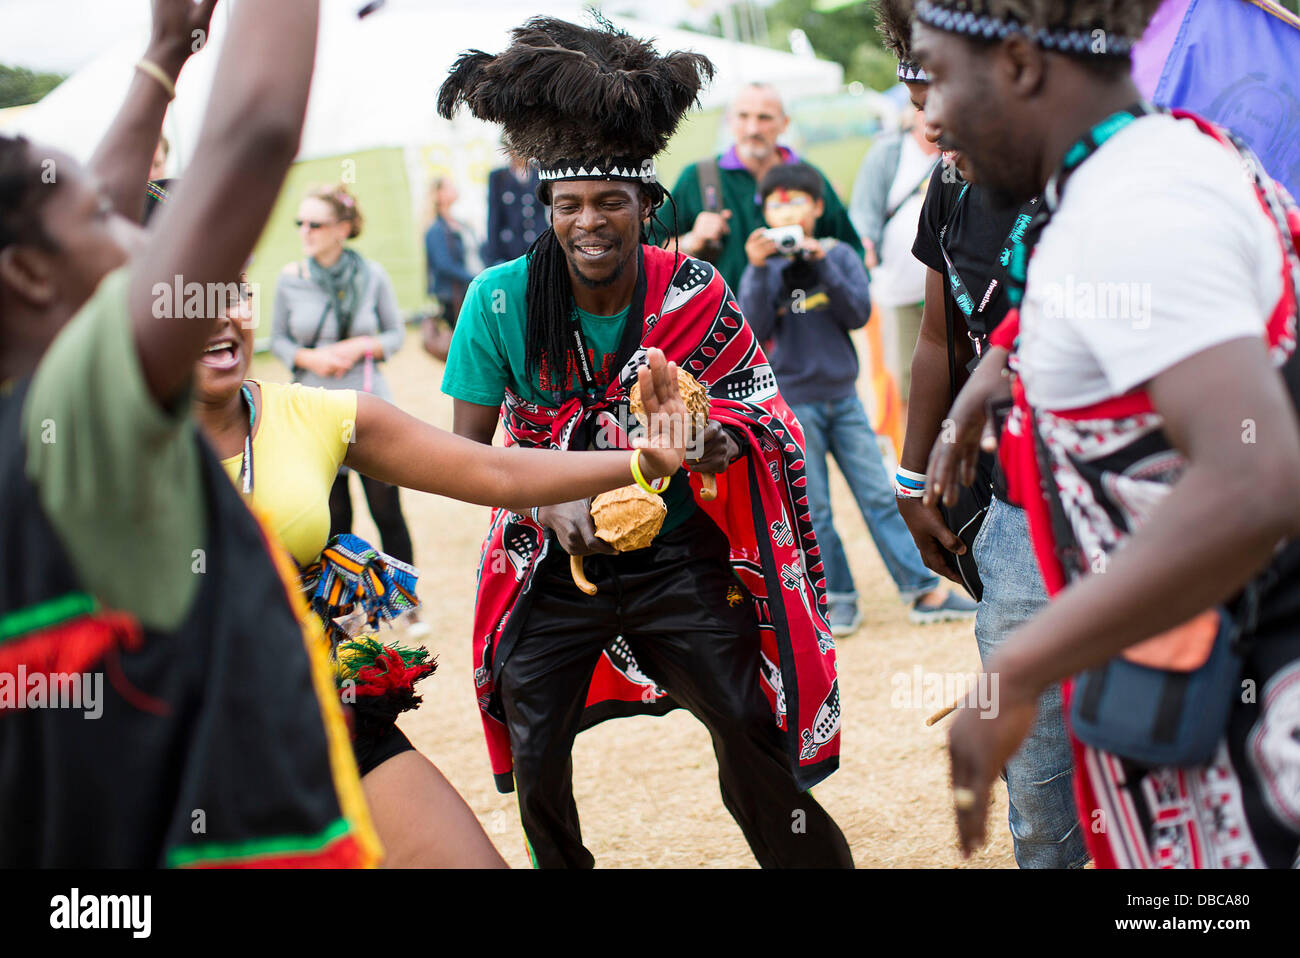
(654, 488)
(149, 68)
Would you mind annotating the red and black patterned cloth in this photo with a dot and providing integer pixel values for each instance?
(762, 507)
(1108, 465)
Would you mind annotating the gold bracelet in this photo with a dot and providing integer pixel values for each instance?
(149, 68)
(655, 488)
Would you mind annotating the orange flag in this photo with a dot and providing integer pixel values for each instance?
(887, 404)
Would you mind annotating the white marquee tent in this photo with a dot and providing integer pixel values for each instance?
(375, 89)
(377, 79)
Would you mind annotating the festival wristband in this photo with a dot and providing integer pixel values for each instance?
(149, 68)
(909, 485)
(654, 488)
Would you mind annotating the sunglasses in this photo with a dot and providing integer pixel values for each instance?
(310, 224)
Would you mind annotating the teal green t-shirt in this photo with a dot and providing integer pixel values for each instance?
(488, 356)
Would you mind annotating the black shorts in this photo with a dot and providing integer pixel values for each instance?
(371, 752)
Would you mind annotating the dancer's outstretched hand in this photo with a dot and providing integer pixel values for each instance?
(664, 443)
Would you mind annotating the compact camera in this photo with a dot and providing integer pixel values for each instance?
(786, 238)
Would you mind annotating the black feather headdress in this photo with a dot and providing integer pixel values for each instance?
(584, 103)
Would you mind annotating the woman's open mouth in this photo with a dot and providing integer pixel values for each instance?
(221, 354)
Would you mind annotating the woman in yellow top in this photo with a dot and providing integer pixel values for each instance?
(283, 446)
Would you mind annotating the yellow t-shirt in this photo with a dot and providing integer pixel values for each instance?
(301, 439)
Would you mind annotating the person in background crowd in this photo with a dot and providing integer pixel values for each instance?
(963, 223)
(516, 217)
(335, 319)
(717, 198)
(885, 210)
(807, 300)
(449, 254)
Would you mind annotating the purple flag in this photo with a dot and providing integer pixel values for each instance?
(1236, 62)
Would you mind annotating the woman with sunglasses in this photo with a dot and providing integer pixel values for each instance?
(335, 319)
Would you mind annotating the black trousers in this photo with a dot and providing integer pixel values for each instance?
(385, 509)
(669, 602)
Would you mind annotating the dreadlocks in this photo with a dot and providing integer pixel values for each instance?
(579, 103)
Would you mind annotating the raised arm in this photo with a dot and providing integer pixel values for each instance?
(121, 161)
(249, 138)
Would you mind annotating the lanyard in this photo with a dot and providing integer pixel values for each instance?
(578, 346)
(959, 291)
(1090, 143)
(633, 327)
(961, 294)
(246, 466)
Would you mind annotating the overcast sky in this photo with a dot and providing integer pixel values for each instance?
(65, 34)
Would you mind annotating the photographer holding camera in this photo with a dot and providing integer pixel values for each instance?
(716, 199)
(805, 295)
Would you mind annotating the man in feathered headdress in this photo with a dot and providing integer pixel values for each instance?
(722, 613)
(1156, 293)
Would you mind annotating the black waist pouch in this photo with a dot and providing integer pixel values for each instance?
(965, 519)
(1161, 716)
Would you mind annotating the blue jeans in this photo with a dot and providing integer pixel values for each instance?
(1045, 827)
(840, 427)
